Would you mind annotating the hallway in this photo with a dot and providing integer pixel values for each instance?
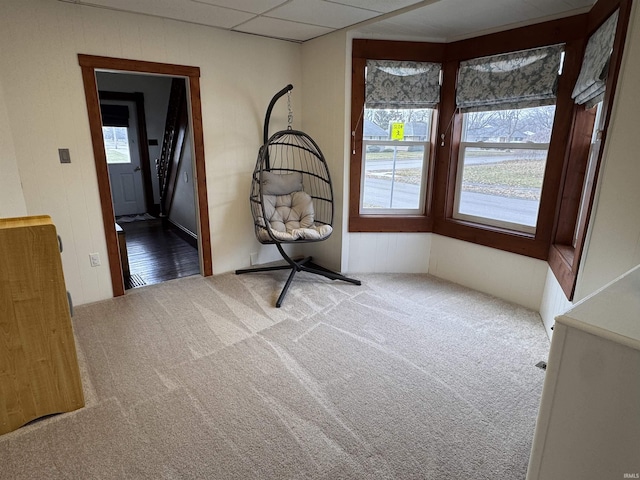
(157, 254)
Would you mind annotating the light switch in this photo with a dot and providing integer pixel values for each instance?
(63, 153)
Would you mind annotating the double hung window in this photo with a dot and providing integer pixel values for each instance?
(397, 122)
(508, 107)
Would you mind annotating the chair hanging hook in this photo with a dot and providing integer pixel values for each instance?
(290, 115)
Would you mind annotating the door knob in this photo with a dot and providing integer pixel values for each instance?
(137, 169)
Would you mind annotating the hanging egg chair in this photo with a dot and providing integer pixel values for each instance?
(291, 198)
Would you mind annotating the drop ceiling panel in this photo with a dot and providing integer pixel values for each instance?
(449, 20)
(381, 6)
(185, 10)
(318, 12)
(301, 20)
(252, 6)
(274, 27)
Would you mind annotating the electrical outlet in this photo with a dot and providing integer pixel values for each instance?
(253, 258)
(94, 258)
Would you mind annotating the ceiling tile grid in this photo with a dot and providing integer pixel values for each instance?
(303, 20)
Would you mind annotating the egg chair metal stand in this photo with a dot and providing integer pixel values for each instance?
(291, 198)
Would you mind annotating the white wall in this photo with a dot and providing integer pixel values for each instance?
(389, 252)
(509, 276)
(554, 302)
(46, 110)
(11, 196)
(324, 67)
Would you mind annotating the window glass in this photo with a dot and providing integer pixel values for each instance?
(395, 155)
(590, 173)
(116, 144)
(501, 166)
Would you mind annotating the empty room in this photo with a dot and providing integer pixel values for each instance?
(319, 239)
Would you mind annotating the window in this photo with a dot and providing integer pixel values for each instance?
(508, 104)
(116, 144)
(115, 124)
(502, 161)
(593, 95)
(397, 118)
(395, 155)
(592, 162)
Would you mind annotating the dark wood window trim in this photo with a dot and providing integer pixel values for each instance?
(375, 49)
(567, 152)
(565, 253)
(89, 64)
(568, 31)
(439, 215)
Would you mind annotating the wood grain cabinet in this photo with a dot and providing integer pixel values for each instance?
(589, 420)
(39, 372)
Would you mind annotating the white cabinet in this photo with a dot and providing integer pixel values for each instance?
(589, 420)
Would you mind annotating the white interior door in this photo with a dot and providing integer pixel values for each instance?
(123, 158)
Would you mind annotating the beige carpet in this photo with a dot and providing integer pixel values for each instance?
(404, 377)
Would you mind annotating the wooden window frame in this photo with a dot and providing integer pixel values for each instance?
(381, 50)
(578, 191)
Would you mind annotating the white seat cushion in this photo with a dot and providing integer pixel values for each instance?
(291, 217)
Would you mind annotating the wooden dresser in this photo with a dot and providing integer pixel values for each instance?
(39, 372)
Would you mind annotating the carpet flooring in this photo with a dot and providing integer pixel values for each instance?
(404, 377)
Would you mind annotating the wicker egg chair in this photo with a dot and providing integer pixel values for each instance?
(291, 198)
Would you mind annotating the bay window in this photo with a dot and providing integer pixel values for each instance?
(507, 154)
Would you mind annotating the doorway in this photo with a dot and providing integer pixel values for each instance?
(126, 184)
(137, 113)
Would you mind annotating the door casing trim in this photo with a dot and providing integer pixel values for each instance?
(89, 64)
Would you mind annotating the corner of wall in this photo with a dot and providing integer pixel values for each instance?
(509, 276)
(554, 302)
(12, 203)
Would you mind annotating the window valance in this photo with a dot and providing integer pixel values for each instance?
(401, 84)
(526, 78)
(591, 83)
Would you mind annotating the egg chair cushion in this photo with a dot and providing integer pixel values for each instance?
(290, 217)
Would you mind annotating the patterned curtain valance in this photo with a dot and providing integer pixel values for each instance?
(512, 80)
(396, 84)
(592, 80)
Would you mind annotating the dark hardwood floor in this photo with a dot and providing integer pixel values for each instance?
(157, 253)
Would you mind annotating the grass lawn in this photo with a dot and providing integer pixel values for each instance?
(508, 178)
(515, 173)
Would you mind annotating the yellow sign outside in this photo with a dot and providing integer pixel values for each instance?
(397, 131)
